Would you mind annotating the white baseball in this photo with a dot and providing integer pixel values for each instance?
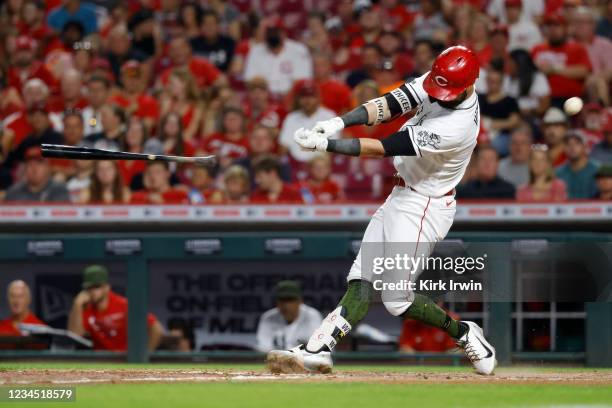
(573, 106)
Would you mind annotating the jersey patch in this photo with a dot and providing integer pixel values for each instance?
(425, 138)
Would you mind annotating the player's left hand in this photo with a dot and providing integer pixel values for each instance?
(309, 140)
(328, 128)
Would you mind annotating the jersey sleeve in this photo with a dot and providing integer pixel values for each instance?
(265, 335)
(419, 141)
(408, 96)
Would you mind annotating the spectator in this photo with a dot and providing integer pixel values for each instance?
(370, 25)
(17, 126)
(135, 137)
(316, 36)
(524, 34)
(279, 60)
(120, 50)
(236, 186)
(146, 38)
(107, 186)
(487, 184)
(565, 62)
(579, 171)
(602, 152)
(157, 187)
(371, 60)
(181, 58)
(515, 167)
(203, 186)
(319, 187)
(542, 185)
(391, 44)
(73, 10)
(270, 187)
(430, 23)
(71, 97)
(231, 143)
(424, 55)
(554, 126)
(335, 95)
(25, 66)
(171, 136)
(600, 53)
(113, 119)
(72, 124)
(18, 297)
(37, 185)
(526, 84)
(603, 178)
(80, 181)
(102, 314)
(290, 323)
(182, 96)
(42, 132)
(531, 10)
(190, 19)
(604, 25)
(132, 97)
(258, 107)
(97, 96)
(212, 44)
(262, 142)
(500, 112)
(308, 112)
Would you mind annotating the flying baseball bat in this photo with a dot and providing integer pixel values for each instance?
(87, 153)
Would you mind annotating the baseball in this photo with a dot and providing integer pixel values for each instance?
(573, 106)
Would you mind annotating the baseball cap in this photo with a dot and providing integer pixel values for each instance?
(33, 153)
(24, 43)
(604, 171)
(288, 290)
(554, 116)
(131, 68)
(306, 87)
(575, 135)
(257, 82)
(554, 19)
(94, 275)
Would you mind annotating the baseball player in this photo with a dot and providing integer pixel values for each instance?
(431, 153)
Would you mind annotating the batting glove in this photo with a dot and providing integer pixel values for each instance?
(309, 140)
(328, 128)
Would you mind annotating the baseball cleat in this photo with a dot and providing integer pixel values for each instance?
(477, 349)
(299, 361)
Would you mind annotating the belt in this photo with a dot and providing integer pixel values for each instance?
(400, 182)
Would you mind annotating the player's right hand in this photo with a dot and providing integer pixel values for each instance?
(309, 140)
(328, 128)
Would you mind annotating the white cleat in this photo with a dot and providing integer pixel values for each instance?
(299, 361)
(477, 349)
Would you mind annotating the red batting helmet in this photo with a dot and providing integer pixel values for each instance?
(452, 72)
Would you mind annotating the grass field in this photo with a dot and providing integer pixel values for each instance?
(208, 385)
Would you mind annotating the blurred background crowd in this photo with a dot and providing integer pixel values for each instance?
(237, 78)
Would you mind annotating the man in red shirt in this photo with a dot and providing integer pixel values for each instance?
(157, 187)
(321, 186)
(132, 97)
(270, 187)
(103, 314)
(258, 108)
(180, 54)
(565, 62)
(71, 96)
(25, 66)
(335, 95)
(19, 298)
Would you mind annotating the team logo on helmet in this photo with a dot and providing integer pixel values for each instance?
(441, 81)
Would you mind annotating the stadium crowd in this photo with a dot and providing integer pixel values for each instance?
(237, 78)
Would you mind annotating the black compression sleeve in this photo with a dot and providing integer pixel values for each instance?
(399, 144)
(349, 147)
(358, 116)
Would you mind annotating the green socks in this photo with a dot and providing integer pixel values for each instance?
(427, 311)
(356, 301)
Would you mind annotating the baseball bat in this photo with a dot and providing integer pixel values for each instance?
(88, 153)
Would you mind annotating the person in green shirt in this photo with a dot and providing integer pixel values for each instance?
(579, 171)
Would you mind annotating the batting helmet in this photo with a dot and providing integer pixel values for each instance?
(455, 69)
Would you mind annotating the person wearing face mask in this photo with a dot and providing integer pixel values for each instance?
(279, 60)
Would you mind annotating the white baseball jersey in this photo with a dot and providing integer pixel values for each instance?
(273, 331)
(443, 139)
